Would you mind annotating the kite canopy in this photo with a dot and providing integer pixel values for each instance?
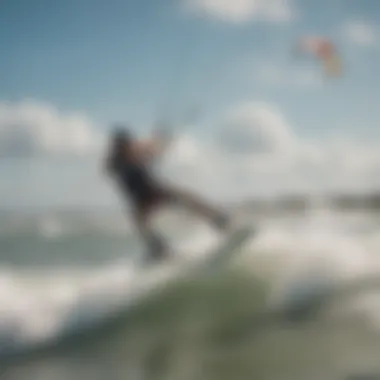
(323, 50)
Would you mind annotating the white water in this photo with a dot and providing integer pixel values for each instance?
(319, 247)
(37, 308)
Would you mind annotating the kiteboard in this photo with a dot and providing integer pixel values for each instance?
(228, 245)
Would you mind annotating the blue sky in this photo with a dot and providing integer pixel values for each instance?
(133, 60)
(128, 59)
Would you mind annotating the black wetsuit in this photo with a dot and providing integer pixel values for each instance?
(137, 181)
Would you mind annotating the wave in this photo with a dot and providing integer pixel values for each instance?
(227, 307)
(280, 278)
(221, 322)
(39, 310)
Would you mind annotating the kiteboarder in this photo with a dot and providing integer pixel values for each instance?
(129, 162)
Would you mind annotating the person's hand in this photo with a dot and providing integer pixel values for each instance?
(163, 132)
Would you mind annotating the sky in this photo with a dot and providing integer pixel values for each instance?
(249, 116)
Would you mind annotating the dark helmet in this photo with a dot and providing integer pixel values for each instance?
(121, 135)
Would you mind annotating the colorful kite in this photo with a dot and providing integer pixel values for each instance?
(325, 51)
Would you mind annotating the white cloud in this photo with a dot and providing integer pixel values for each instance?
(258, 151)
(240, 11)
(257, 128)
(30, 128)
(185, 151)
(360, 33)
(255, 150)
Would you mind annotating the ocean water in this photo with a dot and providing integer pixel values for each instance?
(300, 301)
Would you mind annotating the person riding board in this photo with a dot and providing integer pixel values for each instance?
(128, 161)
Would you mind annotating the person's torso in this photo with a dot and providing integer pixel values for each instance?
(133, 175)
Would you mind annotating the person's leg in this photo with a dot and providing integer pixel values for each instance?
(142, 217)
(194, 203)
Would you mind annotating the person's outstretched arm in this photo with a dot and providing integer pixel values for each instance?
(154, 146)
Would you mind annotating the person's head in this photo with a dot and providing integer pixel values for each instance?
(121, 137)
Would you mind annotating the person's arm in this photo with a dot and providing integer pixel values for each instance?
(154, 146)
(162, 139)
(148, 149)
